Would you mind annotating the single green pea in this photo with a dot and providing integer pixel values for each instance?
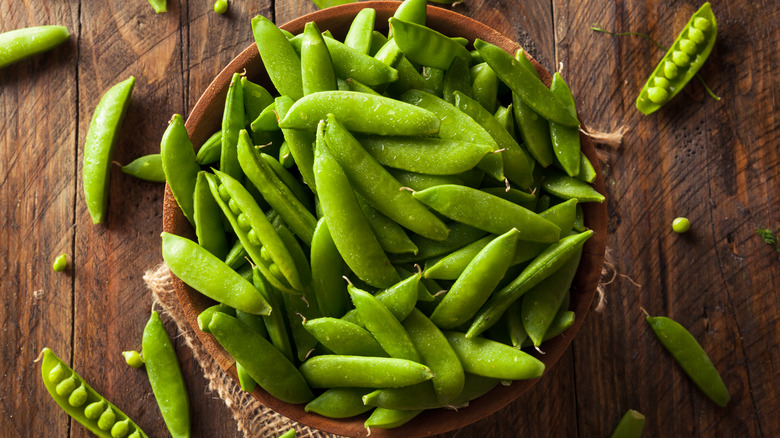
(220, 6)
(93, 410)
(107, 419)
(670, 70)
(661, 82)
(135, 434)
(57, 373)
(78, 397)
(681, 58)
(120, 429)
(657, 94)
(696, 35)
(702, 24)
(66, 386)
(133, 358)
(148, 168)
(681, 225)
(688, 46)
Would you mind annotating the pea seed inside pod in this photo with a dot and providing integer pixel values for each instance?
(120, 429)
(670, 70)
(234, 207)
(702, 24)
(57, 374)
(243, 222)
(696, 35)
(265, 255)
(681, 58)
(661, 82)
(252, 236)
(688, 46)
(107, 419)
(78, 397)
(223, 193)
(135, 434)
(657, 94)
(66, 386)
(94, 409)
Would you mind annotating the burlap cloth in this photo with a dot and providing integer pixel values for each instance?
(252, 418)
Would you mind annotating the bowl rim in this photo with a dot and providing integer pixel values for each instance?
(432, 422)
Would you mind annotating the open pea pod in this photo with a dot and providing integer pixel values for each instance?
(82, 402)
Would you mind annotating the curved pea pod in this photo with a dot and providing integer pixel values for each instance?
(211, 276)
(452, 265)
(279, 58)
(327, 267)
(485, 88)
(399, 300)
(487, 358)
(540, 304)
(566, 187)
(691, 357)
(289, 180)
(505, 116)
(456, 125)
(438, 51)
(339, 403)
(476, 283)
(421, 181)
(207, 217)
(361, 112)
(487, 212)
(682, 61)
(377, 186)
(147, 168)
(565, 139)
(343, 337)
(412, 11)
(436, 354)
(433, 156)
(297, 311)
(267, 119)
(562, 322)
(233, 121)
(360, 31)
(99, 146)
(630, 426)
(392, 238)
(526, 85)
(422, 395)
(389, 418)
(563, 215)
(460, 236)
(236, 257)
(210, 150)
(316, 63)
(457, 79)
(256, 98)
(332, 370)
(301, 144)
(549, 261)
(267, 365)
(518, 165)
(204, 317)
(533, 128)
(19, 44)
(385, 328)
(78, 399)
(255, 232)
(587, 172)
(179, 164)
(349, 229)
(165, 377)
(274, 191)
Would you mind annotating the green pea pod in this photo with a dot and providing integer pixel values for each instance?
(399, 299)
(377, 186)
(339, 402)
(189, 261)
(457, 79)
(208, 219)
(516, 196)
(298, 310)
(289, 180)
(514, 325)
(326, 268)
(563, 215)
(285, 158)
(256, 98)
(204, 317)
(389, 418)
(565, 187)
(436, 354)
(299, 258)
(78, 399)
(436, 50)
(22, 43)
(526, 85)
(487, 358)
(434, 80)
(279, 58)
(275, 192)
(540, 304)
(487, 212)
(165, 377)
(359, 34)
(587, 172)
(681, 62)
(159, 6)
(518, 165)
(412, 11)
(354, 85)
(392, 238)
(99, 146)
(276, 323)
(549, 261)
(630, 426)
(460, 236)
(349, 229)
(343, 337)
(236, 256)
(361, 112)
(565, 139)
(504, 116)
(456, 125)
(691, 357)
(245, 381)
(322, 4)
(563, 320)
(211, 150)
(485, 88)
(233, 121)
(178, 162)
(434, 156)
(476, 283)
(332, 371)
(147, 168)
(422, 395)
(534, 129)
(452, 265)
(300, 144)
(267, 120)
(317, 74)
(420, 181)
(267, 365)
(390, 55)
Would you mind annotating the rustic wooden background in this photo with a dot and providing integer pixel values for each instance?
(714, 162)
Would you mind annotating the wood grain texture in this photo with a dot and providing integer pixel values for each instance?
(714, 162)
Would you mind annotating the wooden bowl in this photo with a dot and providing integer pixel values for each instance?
(205, 119)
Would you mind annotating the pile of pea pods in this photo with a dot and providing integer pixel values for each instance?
(393, 229)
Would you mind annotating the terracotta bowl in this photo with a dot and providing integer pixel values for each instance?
(206, 118)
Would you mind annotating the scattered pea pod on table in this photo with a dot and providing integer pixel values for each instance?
(19, 44)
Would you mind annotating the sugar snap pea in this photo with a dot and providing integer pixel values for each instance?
(343, 337)
(147, 168)
(159, 6)
(485, 88)
(301, 144)
(691, 357)
(487, 358)
(457, 79)
(210, 150)
(99, 146)
(460, 236)
(327, 268)
(204, 317)
(450, 266)
(412, 11)
(565, 187)
(19, 44)
(681, 62)
(390, 418)
(630, 426)
(505, 116)
(79, 400)
(438, 51)
(399, 299)
(165, 377)
(208, 219)
(267, 120)
(433, 156)
(316, 63)
(360, 31)
(233, 121)
(339, 403)
(565, 139)
(333, 370)
(392, 238)
(289, 180)
(179, 164)
(421, 395)
(421, 181)
(279, 57)
(533, 128)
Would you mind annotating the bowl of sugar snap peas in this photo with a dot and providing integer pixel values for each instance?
(386, 213)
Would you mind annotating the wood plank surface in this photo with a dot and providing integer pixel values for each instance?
(715, 162)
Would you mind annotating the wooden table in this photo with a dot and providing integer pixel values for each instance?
(714, 162)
